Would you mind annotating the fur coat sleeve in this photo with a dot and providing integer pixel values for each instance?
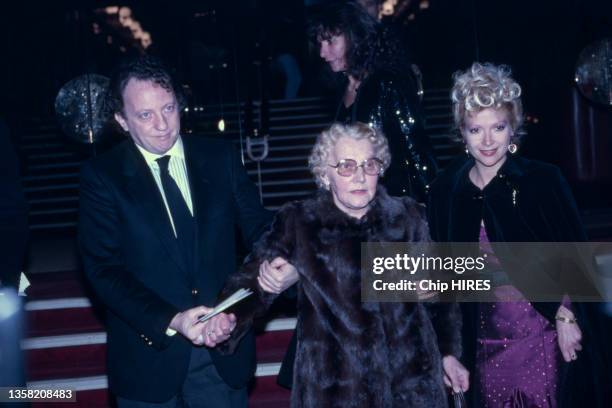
(392, 219)
(447, 322)
(445, 316)
(278, 241)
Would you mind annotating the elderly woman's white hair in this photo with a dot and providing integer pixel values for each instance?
(485, 86)
(323, 147)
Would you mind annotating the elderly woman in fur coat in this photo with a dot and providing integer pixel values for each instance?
(352, 353)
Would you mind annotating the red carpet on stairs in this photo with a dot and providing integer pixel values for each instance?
(65, 345)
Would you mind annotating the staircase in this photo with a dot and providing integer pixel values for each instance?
(52, 162)
(65, 342)
(65, 345)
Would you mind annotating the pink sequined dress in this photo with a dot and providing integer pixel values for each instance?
(517, 355)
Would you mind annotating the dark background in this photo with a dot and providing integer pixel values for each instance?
(45, 44)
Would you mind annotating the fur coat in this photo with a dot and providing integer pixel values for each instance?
(352, 353)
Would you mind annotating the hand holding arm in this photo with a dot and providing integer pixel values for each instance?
(277, 276)
(276, 244)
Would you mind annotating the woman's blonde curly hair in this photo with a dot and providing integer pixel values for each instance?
(485, 86)
(323, 147)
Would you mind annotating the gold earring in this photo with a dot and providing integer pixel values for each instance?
(512, 148)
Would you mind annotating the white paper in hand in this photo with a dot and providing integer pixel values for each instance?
(230, 301)
(24, 283)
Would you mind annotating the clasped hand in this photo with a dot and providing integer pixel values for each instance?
(210, 333)
(274, 277)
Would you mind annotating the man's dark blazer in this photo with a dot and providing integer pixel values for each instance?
(131, 258)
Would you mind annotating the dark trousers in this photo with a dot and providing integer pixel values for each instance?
(203, 388)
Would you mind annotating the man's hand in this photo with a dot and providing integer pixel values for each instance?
(218, 329)
(569, 335)
(455, 374)
(276, 276)
(187, 324)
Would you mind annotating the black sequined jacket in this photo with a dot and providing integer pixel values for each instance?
(391, 103)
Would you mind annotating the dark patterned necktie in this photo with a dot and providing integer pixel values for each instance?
(183, 220)
(184, 223)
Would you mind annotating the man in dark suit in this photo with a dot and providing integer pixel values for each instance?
(157, 236)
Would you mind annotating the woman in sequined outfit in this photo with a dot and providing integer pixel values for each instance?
(377, 89)
(514, 349)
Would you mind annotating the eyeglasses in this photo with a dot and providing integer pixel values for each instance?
(348, 167)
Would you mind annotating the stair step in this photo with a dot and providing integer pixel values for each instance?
(84, 355)
(305, 147)
(283, 159)
(281, 170)
(71, 200)
(37, 145)
(304, 108)
(284, 183)
(52, 363)
(66, 336)
(273, 340)
(295, 102)
(72, 322)
(29, 180)
(51, 187)
(319, 126)
(271, 346)
(92, 392)
(301, 117)
(69, 165)
(54, 285)
(53, 161)
(40, 132)
(301, 136)
(69, 225)
(54, 212)
(54, 155)
(64, 320)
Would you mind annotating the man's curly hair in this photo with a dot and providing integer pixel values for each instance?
(143, 68)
